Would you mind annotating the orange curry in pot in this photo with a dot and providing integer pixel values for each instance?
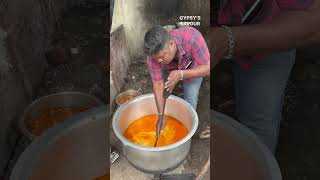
(50, 117)
(143, 131)
(126, 98)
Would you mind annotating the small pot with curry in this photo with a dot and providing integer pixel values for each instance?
(50, 110)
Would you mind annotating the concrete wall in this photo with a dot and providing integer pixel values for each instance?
(130, 14)
(196, 8)
(25, 30)
(137, 16)
(119, 62)
(126, 41)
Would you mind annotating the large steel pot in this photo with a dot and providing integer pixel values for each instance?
(63, 99)
(237, 153)
(76, 149)
(160, 159)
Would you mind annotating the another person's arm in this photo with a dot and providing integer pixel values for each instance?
(290, 29)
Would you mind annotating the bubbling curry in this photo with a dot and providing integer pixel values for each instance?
(143, 131)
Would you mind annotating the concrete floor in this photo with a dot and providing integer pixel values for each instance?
(138, 79)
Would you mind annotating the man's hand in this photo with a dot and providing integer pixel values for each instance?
(288, 29)
(173, 78)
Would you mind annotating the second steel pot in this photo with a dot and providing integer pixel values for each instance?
(63, 99)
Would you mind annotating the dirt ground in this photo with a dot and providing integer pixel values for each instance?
(298, 147)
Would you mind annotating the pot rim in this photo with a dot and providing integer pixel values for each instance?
(260, 151)
(22, 124)
(38, 147)
(133, 92)
(126, 142)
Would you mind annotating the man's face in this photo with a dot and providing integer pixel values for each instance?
(166, 55)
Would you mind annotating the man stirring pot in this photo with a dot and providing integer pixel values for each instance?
(177, 55)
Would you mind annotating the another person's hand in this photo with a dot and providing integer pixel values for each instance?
(218, 45)
(173, 78)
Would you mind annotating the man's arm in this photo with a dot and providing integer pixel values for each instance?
(199, 71)
(158, 88)
(175, 76)
(290, 29)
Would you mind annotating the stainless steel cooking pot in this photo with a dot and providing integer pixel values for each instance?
(156, 160)
(63, 99)
(238, 153)
(76, 149)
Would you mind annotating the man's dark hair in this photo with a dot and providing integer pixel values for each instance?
(155, 40)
